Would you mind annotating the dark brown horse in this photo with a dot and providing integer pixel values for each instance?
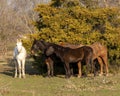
(99, 53)
(68, 55)
(40, 45)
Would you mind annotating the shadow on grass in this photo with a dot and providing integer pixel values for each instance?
(8, 68)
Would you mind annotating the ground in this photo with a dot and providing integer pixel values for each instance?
(37, 85)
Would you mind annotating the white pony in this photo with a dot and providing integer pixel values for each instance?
(19, 56)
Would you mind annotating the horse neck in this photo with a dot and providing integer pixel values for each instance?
(20, 54)
(44, 45)
(41, 47)
(22, 50)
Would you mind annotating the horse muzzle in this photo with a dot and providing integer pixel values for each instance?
(32, 52)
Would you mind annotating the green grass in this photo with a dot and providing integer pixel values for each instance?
(36, 85)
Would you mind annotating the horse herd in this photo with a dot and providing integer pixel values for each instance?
(67, 53)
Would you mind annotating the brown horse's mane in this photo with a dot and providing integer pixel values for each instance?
(60, 48)
(70, 45)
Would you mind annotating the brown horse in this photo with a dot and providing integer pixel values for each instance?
(68, 55)
(99, 53)
(40, 45)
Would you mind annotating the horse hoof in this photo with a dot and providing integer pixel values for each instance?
(107, 75)
(24, 77)
(19, 76)
(15, 76)
(100, 74)
(48, 76)
(52, 75)
(67, 77)
(79, 76)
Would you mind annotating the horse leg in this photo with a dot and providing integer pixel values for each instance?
(16, 67)
(52, 69)
(68, 74)
(106, 64)
(23, 68)
(79, 70)
(65, 70)
(50, 61)
(101, 65)
(19, 68)
(93, 68)
(68, 70)
(91, 65)
(71, 70)
(48, 67)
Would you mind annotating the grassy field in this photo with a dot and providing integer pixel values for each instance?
(37, 85)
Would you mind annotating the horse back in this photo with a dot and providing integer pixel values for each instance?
(98, 49)
(78, 54)
(72, 46)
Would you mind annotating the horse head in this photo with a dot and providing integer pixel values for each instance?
(19, 42)
(19, 45)
(37, 46)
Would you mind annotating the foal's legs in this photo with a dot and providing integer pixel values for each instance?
(23, 68)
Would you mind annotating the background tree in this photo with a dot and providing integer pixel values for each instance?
(69, 21)
(16, 18)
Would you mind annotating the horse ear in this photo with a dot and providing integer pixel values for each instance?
(17, 40)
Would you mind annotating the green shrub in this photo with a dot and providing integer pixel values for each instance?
(75, 24)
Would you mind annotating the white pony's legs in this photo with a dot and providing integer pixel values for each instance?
(23, 68)
(19, 68)
(16, 67)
